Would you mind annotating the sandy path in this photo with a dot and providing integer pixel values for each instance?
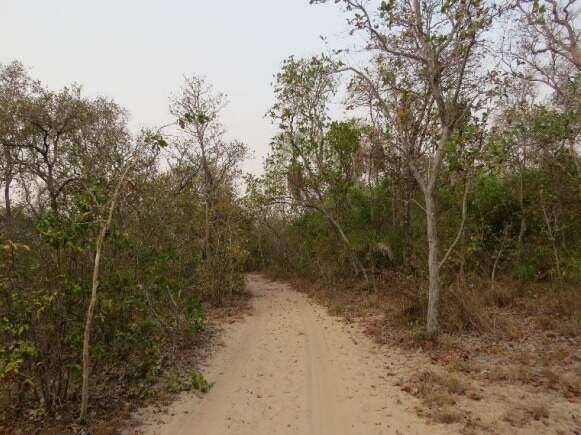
(290, 368)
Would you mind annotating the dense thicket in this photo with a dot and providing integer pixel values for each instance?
(459, 166)
(176, 239)
(456, 170)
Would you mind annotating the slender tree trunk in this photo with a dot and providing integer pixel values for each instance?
(7, 202)
(93, 302)
(7, 182)
(88, 324)
(357, 266)
(523, 222)
(494, 267)
(407, 221)
(207, 230)
(551, 233)
(433, 263)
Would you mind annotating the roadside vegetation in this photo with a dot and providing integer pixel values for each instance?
(442, 209)
(458, 176)
(159, 209)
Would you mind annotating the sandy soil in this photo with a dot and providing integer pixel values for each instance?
(290, 368)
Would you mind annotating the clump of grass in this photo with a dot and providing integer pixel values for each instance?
(448, 416)
(412, 307)
(455, 385)
(174, 383)
(538, 411)
(463, 309)
(500, 296)
(434, 389)
(199, 383)
(419, 335)
(512, 374)
(520, 415)
(337, 310)
(563, 301)
(468, 366)
(439, 393)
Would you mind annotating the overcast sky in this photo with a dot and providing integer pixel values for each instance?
(137, 51)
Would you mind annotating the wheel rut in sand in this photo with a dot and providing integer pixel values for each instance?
(290, 368)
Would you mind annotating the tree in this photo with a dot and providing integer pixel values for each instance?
(547, 51)
(15, 86)
(104, 225)
(437, 45)
(547, 48)
(313, 155)
(202, 145)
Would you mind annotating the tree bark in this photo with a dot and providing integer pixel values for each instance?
(357, 266)
(523, 222)
(93, 302)
(7, 203)
(7, 182)
(433, 263)
(495, 266)
(552, 235)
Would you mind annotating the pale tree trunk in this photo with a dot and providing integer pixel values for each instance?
(523, 222)
(407, 219)
(7, 182)
(521, 197)
(433, 263)
(207, 229)
(356, 264)
(7, 203)
(495, 266)
(552, 234)
(93, 302)
(429, 189)
(428, 186)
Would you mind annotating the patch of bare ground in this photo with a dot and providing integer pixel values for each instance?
(291, 368)
(113, 400)
(512, 363)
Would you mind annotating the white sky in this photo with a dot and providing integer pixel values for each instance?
(137, 51)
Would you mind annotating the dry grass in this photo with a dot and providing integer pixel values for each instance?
(448, 416)
(522, 414)
(439, 393)
(507, 333)
(434, 388)
(337, 310)
(474, 306)
(511, 337)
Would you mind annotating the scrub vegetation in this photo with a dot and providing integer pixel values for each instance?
(442, 208)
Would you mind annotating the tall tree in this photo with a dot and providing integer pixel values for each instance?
(313, 155)
(15, 87)
(438, 45)
(203, 146)
(547, 47)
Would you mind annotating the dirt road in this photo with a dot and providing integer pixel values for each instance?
(290, 368)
